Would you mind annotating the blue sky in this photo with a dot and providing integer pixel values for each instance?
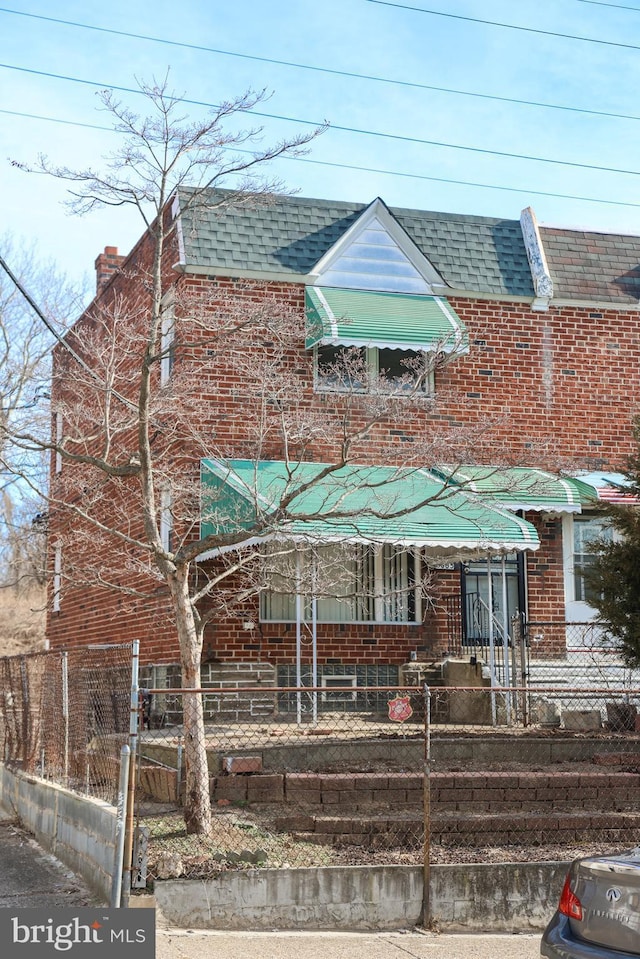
(42, 112)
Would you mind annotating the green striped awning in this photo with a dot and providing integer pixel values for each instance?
(401, 321)
(523, 488)
(375, 504)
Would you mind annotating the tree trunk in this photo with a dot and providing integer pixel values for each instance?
(197, 802)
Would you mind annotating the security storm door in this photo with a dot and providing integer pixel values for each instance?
(501, 601)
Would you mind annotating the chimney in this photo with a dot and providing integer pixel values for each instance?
(107, 265)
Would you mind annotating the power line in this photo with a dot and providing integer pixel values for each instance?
(60, 339)
(410, 84)
(345, 129)
(471, 183)
(365, 169)
(70, 123)
(614, 6)
(508, 26)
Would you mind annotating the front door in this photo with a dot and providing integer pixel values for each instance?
(486, 608)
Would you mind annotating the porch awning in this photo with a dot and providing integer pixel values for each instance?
(610, 488)
(373, 504)
(523, 488)
(400, 321)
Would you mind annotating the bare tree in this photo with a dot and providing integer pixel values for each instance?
(25, 382)
(134, 438)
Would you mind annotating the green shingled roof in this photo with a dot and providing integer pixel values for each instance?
(478, 254)
(290, 235)
(377, 504)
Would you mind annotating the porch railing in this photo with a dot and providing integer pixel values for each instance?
(469, 634)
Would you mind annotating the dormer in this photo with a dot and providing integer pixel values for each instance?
(374, 320)
(377, 254)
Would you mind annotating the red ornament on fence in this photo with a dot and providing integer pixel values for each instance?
(400, 709)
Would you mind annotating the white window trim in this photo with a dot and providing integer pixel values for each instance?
(167, 337)
(57, 578)
(379, 599)
(576, 610)
(59, 429)
(339, 695)
(166, 519)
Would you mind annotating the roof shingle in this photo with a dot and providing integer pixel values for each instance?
(473, 253)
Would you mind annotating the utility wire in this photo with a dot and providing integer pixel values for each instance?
(328, 70)
(365, 169)
(61, 340)
(508, 26)
(345, 129)
(452, 182)
(614, 6)
(69, 123)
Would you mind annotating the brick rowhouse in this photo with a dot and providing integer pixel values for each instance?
(557, 375)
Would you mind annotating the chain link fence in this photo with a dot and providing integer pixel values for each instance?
(298, 777)
(334, 777)
(343, 774)
(65, 715)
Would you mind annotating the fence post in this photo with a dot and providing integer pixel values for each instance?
(134, 712)
(520, 652)
(426, 797)
(118, 859)
(26, 707)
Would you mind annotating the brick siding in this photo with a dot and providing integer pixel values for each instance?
(560, 387)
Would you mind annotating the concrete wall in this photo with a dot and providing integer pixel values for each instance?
(500, 897)
(78, 830)
(509, 897)
(493, 749)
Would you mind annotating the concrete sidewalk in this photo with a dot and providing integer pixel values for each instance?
(30, 877)
(186, 944)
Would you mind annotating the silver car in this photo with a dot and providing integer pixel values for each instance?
(598, 916)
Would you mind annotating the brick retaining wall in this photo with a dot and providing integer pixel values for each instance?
(500, 807)
(460, 791)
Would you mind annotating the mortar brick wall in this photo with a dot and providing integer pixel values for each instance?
(494, 792)
(560, 385)
(500, 807)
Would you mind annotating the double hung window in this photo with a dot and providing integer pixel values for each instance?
(586, 530)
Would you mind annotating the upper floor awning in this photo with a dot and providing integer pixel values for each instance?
(401, 321)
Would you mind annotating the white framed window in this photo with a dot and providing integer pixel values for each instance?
(59, 425)
(362, 584)
(340, 684)
(368, 369)
(167, 337)
(578, 532)
(166, 519)
(57, 578)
